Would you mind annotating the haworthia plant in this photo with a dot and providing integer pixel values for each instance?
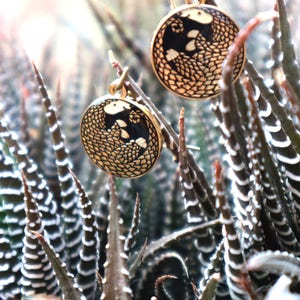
(217, 217)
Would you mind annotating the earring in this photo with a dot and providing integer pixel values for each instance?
(119, 135)
(189, 47)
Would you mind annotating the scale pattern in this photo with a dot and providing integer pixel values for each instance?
(189, 48)
(121, 137)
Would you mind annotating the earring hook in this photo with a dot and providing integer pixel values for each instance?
(172, 4)
(119, 84)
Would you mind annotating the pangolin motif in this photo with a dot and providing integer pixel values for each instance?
(120, 137)
(189, 48)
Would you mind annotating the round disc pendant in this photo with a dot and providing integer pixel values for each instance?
(120, 136)
(189, 47)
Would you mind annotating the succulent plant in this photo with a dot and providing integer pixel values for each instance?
(218, 215)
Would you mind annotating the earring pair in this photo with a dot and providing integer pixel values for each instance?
(121, 136)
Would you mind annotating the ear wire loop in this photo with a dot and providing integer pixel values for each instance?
(119, 84)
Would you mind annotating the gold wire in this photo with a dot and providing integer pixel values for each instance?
(119, 84)
(172, 4)
(202, 1)
(112, 89)
(122, 78)
(188, 2)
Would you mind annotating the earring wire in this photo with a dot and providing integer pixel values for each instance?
(118, 85)
(172, 4)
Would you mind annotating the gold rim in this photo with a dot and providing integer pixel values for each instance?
(169, 65)
(116, 149)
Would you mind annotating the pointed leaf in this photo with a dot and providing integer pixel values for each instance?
(72, 224)
(210, 289)
(277, 108)
(37, 274)
(116, 276)
(233, 255)
(66, 280)
(87, 266)
(134, 229)
(166, 241)
(187, 177)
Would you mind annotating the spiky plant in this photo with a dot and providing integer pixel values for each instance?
(221, 222)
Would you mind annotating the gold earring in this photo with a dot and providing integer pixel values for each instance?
(119, 135)
(189, 47)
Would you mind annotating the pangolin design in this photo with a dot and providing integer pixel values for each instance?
(189, 47)
(120, 136)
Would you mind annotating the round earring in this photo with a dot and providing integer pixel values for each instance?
(121, 136)
(189, 47)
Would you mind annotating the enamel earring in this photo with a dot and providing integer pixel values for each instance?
(119, 135)
(189, 47)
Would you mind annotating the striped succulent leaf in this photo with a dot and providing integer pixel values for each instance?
(233, 252)
(205, 242)
(274, 199)
(116, 275)
(87, 266)
(67, 282)
(213, 270)
(37, 273)
(190, 196)
(12, 201)
(38, 186)
(165, 255)
(72, 228)
(10, 275)
(285, 152)
(275, 262)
